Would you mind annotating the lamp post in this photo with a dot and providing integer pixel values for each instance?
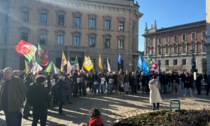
(193, 62)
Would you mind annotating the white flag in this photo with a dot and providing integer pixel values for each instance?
(69, 68)
(108, 66)
(56, 70)
(36, 68)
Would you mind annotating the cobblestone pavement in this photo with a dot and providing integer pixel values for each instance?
(111, 106)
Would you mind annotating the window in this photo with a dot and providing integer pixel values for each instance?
(107, 22)
(107, 39)
(167, 39)
(184, 62)
(76, 19)
(121, 26)
(175, 62)
(43, 16)
(76, 41)
(203, 33)
(184, 49)
(77, 22)
(175, 38)
(167, 49)
(24, 33)
(92, 40)
(166, 62)
(60, 37)
(120, 44)
(193, 35)
(43, 36)
(159, 40)
(60, 17)
(107, 43)
(159, 63)
(159, 50)
(92, 21)
(76, 36)
(120, 40)
(25, 14)
(184, 37)
(121, 23)
(175, 49)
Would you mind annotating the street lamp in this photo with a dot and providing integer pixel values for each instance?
(193, 70)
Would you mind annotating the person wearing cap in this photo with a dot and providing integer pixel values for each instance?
(12, 95)
(38, 97)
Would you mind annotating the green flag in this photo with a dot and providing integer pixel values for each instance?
(149, 59)
(76, 64)
(39, 54)
(50, 67)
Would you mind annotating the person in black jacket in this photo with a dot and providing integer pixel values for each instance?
(208, 84)
(198, 83)
(27, 107)
(38, 97)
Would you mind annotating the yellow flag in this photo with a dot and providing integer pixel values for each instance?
(63, 61)
(100, 62)
(88, 65)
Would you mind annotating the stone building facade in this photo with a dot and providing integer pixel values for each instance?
(78, 27)
(173, 47)
(208, 34)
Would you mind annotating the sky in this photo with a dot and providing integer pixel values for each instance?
(169, 13)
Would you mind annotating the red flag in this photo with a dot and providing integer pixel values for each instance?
(153, 66)
(26, 48)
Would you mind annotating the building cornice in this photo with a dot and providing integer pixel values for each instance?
(178, 28)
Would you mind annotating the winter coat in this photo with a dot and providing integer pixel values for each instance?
(38, 96)
(16, 96)
(61, 90)
(154, 92)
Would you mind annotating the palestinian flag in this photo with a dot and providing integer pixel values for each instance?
(27, 49)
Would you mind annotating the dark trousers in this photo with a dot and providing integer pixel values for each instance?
(39, 114)
(156, 106)
(27, 108)
(60, 109)
(198, 87)
(207, 90)
(133, 89)
(13, 118)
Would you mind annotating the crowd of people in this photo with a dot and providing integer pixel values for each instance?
(42, 91)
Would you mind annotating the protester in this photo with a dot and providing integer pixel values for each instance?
(38, 97)
(61, 91)
(188, 84)
(95, 118)
(155, 97)
(27, 107)
(12, 95)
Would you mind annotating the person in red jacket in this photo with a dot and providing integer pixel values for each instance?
(95, 118)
